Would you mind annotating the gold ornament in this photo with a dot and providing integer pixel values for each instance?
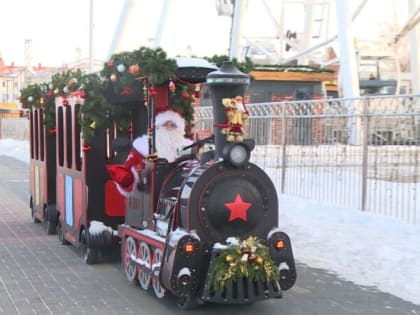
(259, 260)
(113, 77)
(228, 258)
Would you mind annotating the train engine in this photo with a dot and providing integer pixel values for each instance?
(205, 228)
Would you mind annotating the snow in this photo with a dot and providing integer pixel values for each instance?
(15, 148)
(361, 247)
(98, 227)
(367, 249)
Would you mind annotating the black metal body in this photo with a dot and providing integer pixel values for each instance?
(201, 204)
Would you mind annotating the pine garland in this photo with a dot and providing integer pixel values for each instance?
(121, 74)
(95, 112)
(294, 68)
(246, 66)
(124, 69)
(43, 95)
(245, 259)
(183, 96)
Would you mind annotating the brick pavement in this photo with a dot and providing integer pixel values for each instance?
(40, 276)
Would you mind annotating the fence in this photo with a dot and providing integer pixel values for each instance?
(14, 128)
(360, 153)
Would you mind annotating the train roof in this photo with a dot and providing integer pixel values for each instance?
(193, 70)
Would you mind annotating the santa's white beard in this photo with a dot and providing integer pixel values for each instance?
(169, 141)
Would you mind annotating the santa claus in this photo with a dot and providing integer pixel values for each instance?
(169, 131)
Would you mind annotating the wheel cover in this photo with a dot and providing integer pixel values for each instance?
(130, 251)
(144, 270)
(159, 290)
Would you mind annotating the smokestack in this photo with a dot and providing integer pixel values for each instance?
(227, 82)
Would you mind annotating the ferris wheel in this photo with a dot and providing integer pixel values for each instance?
(313, 38)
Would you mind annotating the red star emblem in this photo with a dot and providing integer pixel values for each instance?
(238, 208)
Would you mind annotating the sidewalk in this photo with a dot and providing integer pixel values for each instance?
(40, 276)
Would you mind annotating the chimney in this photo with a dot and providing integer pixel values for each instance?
(28, 53)
(78, 55)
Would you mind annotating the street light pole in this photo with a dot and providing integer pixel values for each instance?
(91, 36)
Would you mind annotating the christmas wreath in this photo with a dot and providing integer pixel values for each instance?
(248, 258)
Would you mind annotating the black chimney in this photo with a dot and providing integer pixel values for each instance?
(227, 82)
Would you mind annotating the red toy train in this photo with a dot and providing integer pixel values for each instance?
(202, 227)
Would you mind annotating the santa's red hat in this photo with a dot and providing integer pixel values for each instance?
(169, 115)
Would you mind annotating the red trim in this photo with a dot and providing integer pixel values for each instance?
(70, 237)
(137, 235)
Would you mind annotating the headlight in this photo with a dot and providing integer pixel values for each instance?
(237, 154)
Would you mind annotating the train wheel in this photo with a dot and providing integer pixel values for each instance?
(187, 302)
(160, 291)
(60, 233)
(89, 255)
(50, 227)
(34, 218)
(129, 254)
(144, 270)
(49, 224)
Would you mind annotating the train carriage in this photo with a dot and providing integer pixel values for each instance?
(42, 170)
(88, 202)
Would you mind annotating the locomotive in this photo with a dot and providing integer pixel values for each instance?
(180, 222)
(202, 228)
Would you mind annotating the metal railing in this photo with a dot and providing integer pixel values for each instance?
(360, 153)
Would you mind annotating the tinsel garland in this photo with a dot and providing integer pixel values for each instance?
(248, 258)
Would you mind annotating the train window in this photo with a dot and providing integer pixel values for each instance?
(41, 135)
(36, 136)
(77, 136)
(69, 138)
(60, 133)
(31, 124)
